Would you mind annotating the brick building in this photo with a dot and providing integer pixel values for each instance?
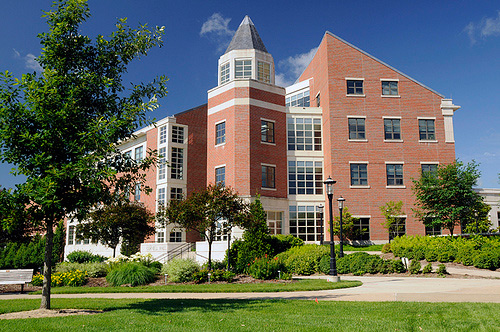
(349, 116)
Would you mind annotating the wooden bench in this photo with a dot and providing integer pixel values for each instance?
(16, 277)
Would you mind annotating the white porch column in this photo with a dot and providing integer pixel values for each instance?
(447, 109)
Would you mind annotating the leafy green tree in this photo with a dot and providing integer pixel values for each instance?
(13, 217)
(129, 222)
(59, 128)
(349, 229)
(392, 212)
(202, 211)
(447, 198)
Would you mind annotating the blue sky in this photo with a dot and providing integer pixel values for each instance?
(451, 46)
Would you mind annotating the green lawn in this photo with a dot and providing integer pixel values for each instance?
(300, 285)
(257, 315)
(374, 247)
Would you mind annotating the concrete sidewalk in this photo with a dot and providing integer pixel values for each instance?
(373, 289)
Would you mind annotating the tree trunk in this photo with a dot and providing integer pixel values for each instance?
(47, 266)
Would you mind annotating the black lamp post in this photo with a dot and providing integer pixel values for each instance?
(341, 201)
(320, 208)
(329, 191)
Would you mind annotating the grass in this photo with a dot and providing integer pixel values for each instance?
(373, 247)
(300, 285)
(256, 315)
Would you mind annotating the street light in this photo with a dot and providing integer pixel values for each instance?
(320, 208)
(341, 201)
(333, 265)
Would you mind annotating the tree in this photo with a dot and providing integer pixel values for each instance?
(60, 128)
(202, 211)
(392, 211)
(349, 229)
(129, 222)
(447, 198)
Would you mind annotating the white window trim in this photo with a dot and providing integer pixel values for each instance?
(356, 116)
(355, 79)
(388, 117)
(395, 162)
(358, 162)
(429, 163)
(252, 72)
(393, 141)
(215, 132)
(426, 118)
(220, 69)
(359, 187)
(361, 216)
(356, 139)
(390, 80)
(390, 96)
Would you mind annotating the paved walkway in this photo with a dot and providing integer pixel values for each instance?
(373, 289)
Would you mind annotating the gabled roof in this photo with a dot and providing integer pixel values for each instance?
(246, 38)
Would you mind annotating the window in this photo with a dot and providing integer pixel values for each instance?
(398, 228)
(354, 87)
(175, 236)
(304, 134)
(305, 223)
(359, 175)
(163, 135)
(300, 99)
(356, 128)
(394, 174)
(264, 72)
(162, 164)
(392, 129)
(390, 88)
(243, 69)
(224, 73)
(160, 237)
(305, 178)
(139, 153)
(426, 129)
(220, 133)
(433, 230)
(177, 162)
(267, 131)
(274, 222)
(220, 175)
(361, 228)
(71, 234)
(128, 154)
(177, 134)
(268, 176)
(429, 168)
(161, 197)
(176, 194)
(318, 100)
(137, 192)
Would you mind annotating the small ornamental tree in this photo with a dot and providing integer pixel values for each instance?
(129, 222)
(203, 210)
(59, 128)
(392, 212)
(447, 198)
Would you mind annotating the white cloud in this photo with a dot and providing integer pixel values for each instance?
(216, 28)
(30, 61)
(293, 66)
(488, 26)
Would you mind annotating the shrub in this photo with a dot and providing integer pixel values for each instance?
(81, 256)
(427, 269)
(200, 276)
(441, 271)
(216, 265)
(72, 278)
(359, 262)
(303, 260)
(180, 270)
(431, 254)
(486, 260)
(133, 273)
(281, 243)
(415, 266)
(94, 270)
(386, 248)
(386, 267)
(37, 280)
(215, 275)
(398, 266)
(265, 268)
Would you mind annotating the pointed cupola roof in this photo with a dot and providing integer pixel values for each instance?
(246, 38)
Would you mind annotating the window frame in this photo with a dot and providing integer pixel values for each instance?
(222, 136)
(244, 70)
(359, 178)
(223, 181)
(392, 132)
(178, 134)
(267, 133)
(268, 176)
(424, 135)
(357, 131)
(390, 82)
(225, 72)
(137, 192)
(398, 228)
(162, 163)
(298, 181)
(177, 163)
(394, 178)
(304, 140)
(355, 88)
(262, 76)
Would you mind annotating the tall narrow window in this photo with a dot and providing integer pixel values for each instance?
(139, 153)
(177, 163)
(356, 128)
(359, 175)
(160, 237)
(354, 87)
(268, 176)
(390, 88)
(161, 197)
(71, 234)
(426, 130)
(178, 134)
(392, 129)
(137, 192)
(220, 133)
(264, 72)
(163, 134)
(162, 164)
(220, 175)
(224, 73)
(267, 131)
(243, 69)
(394, 174)
(274, 222)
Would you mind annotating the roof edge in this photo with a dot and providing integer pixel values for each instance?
(383, 63)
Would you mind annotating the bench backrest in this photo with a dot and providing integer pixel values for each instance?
(16, 276)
